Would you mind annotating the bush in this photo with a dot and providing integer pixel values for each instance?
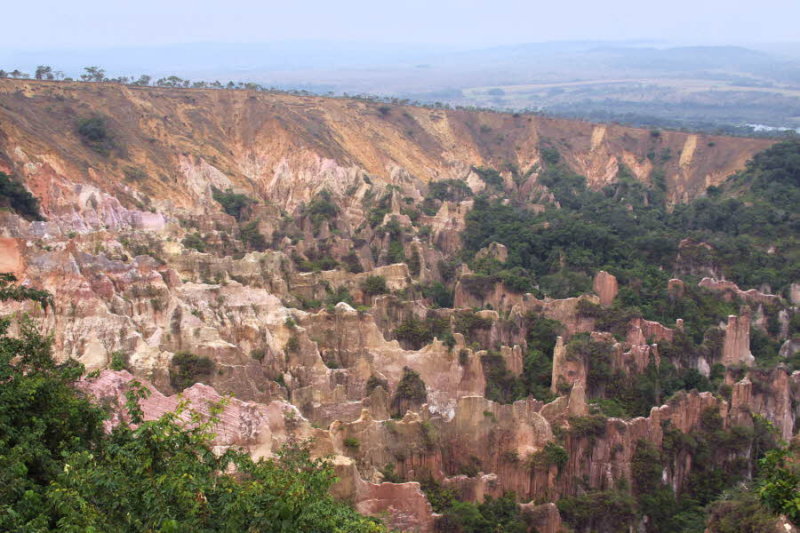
(14, 196)
(374, 382)
(134, 174)
(234, 204)
(186, 369)
(490, 176)
(551, 454)
(416, 333)
(590, 426)
(468, 324)
(119, 361)
(252, 237)
(410, 390)
(194, 241)
(600, 511)
(322, 208)
(501, 385)
(439, 294)
(374, 285)
(94, 133)
(352, 443)
(449, 190)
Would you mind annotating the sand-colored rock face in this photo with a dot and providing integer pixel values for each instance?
(606, 288)
(11, 256)
(736, 347)
(730, 290)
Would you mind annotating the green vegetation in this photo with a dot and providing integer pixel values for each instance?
(410, 390)
(438, 293)
(601, 511)
(415, 333)
(187, 369)
(779, 484)
(501, 384)
(501, 514)
(551, 454)
(61, 471)
(252, 237)
(322, 208)
(95, 134)
(236, 205)
(627, 229)
(490, 176)
(14, 196)
(194, 241)
(375, 285)
(119, 361)
(469, 324)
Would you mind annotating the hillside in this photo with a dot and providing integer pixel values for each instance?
(467, 310)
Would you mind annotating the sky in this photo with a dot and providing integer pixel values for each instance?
(104, 23)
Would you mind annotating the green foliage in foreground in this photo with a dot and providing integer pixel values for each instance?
(59, 470)
(501, 514)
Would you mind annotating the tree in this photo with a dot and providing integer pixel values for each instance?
(95, 74)
(143, 81)
(779, 487)
(44, 72)
(374, 285)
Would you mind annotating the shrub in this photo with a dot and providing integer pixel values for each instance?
(439, 294)
(14, 196)
(601, 511)
(322, 208)
(374, 382)
(501, 384)
(590, 426)
(234, 204)
(252, 237)
(453, 190)
(134, 174)
(352, 263)
(389, 475)
(478, 285)
(258, 354)
(186, 369)
(119, 361)
(94, 133)
(194, 241)
(292, 345)
(410, 390)
(417, 333)
(551, 454)
(374, 285)
(468, 323)
(490, 176)
(352, 443)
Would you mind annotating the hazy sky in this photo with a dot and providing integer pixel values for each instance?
(80, 23)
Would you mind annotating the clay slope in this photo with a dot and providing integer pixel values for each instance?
(284, 148)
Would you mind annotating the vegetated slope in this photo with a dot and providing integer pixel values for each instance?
(459, 307)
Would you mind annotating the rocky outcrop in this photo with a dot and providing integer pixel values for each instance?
(730, 291)
(736, 346)
(605, 287)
